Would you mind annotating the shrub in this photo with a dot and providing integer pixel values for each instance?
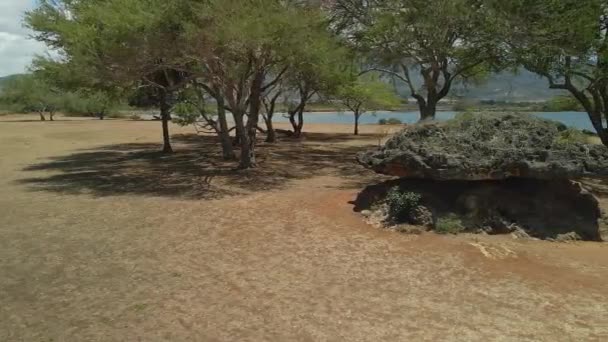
(562, 104)
(401, 205)
(571, 136)
(390, 121)
(116, 115)
(462, 105)
(450, 224)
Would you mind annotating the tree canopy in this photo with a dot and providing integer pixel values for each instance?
(439, 39)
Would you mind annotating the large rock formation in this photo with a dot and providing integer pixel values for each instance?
(552, 210)
(488, 147)
(496, 173)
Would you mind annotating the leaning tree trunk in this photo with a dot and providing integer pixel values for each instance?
(42, 118)
(224, 134)
(165, 116)
(598, 125)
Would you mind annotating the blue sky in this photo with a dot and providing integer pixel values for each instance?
(16, 49)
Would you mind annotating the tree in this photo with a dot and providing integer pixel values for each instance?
(84, 93)
(247, 48)
(31, 93)
(439, 39)
(319, 71)
(566, 42)
(365, 95)
(125, 43)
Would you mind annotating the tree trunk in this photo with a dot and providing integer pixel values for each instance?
(598, 125)
(101, 115)
(224, 134)
(52, 116)
(428, 110)
(271, 135)
(255, 104)
(298, 124)
(357, 115)
(165, 117)
(292, 120)
(241, 134)
(42, 118)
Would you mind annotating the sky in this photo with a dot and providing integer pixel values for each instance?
(16, 48)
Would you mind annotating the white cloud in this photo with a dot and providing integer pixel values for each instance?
(16, 48)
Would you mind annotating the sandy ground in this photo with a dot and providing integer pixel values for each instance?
(104, 239)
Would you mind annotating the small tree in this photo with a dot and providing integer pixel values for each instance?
(121, 43)
(30, 93)
(365, 95)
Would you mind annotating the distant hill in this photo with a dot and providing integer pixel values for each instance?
(507, 86)
(5, 79)
(522, 86)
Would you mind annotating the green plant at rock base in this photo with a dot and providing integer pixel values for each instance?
(401, 204)
(450, 224)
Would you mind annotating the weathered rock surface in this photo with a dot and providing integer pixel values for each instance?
(488, 147)
(553, 210)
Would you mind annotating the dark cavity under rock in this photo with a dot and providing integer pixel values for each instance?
(488, 147)
(544, 209)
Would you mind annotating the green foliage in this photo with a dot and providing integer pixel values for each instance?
(571, 136)
(562, 104)
(439, 39)
(390, 121)
(461, 118)
(29, 93)
(401, 205)
(185, 114)
(366, 94)
(450, 224)
(563, 41)
(462, 105)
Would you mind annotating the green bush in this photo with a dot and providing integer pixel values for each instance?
(450, 224)
(562, 104)
(571, 136)
(116, 115)
(401, 204)
(462, 105)
(390, 121)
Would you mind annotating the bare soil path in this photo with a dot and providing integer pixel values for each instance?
(103, 239)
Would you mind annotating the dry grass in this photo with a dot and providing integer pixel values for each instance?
(104, 239)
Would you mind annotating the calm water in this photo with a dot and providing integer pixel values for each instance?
(572, 119)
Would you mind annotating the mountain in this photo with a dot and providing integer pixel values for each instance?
(522, 86)
(6, 79)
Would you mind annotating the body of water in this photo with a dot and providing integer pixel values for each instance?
(577, 120)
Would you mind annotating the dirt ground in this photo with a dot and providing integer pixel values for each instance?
(104, 239)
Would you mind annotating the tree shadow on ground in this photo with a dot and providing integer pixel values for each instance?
(196, 170)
